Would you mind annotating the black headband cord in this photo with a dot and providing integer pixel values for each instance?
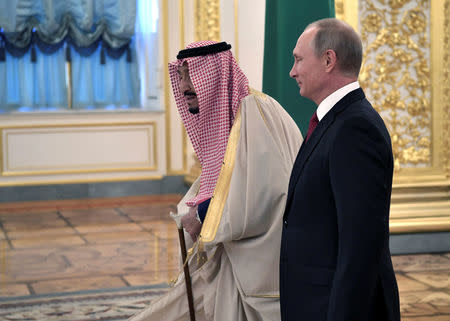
(203, 51)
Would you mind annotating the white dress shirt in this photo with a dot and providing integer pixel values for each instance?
(328, 103)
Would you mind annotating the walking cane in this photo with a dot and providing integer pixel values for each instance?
(187, 276)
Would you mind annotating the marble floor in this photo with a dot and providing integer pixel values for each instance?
(74, 245)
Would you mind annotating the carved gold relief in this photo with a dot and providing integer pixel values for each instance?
(446, 87)
(405, 73)
(339, 9)
(396, 74)
(207, 26)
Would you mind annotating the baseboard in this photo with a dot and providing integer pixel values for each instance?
(166, 185)
(416, 243)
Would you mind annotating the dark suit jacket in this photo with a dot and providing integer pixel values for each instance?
(335, 263)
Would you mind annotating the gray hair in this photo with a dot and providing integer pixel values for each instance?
(340, 37)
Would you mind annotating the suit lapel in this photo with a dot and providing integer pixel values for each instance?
(306, 150)
(308, 147)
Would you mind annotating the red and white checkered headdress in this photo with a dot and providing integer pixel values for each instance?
(220, 86)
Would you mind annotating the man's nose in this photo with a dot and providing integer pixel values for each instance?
(183, 85)
(292, 72)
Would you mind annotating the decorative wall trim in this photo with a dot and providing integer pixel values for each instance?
(420, 209)
(167, 87)
(420, 225)
(165, 32)
(54, 134)
(446, 90)
(207, 25)
(182, 46)
(80, 181)
(347, 10)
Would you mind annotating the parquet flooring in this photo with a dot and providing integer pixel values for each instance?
(75, 245)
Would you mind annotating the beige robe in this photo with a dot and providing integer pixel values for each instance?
(241, 233)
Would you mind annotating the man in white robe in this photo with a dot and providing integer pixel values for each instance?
(246, 144)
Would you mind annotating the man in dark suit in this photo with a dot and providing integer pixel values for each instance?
(335, 263)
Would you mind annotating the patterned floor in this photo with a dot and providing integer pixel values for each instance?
(91, 305)
(79, 245)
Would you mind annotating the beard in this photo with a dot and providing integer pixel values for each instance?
(194, 110)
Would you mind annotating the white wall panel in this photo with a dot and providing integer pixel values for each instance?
(248, 39)
(80, 148)
(251, 18)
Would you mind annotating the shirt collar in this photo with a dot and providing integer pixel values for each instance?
(328, 103)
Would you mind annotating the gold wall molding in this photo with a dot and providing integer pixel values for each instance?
(446, 90)
(167, 88)
(339, 9)
(182, 46)
(207, 20)
(420, 209)
(165, 35)
(347, 10)
(81, 180)
(419, 225)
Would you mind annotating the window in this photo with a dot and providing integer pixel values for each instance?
(109, 63)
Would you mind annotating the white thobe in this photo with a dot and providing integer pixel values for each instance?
(241, 233)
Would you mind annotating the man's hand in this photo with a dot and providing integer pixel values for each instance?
(191, 223)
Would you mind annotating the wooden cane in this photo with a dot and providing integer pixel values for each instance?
(187, 275)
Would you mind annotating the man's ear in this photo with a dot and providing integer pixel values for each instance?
(330, 60)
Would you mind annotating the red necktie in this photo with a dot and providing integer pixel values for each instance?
(312, 125)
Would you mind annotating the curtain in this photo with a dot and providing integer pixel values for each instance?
(27, 86)
(285, 21)
(113, 85)
(85, 24)
(38, 36)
